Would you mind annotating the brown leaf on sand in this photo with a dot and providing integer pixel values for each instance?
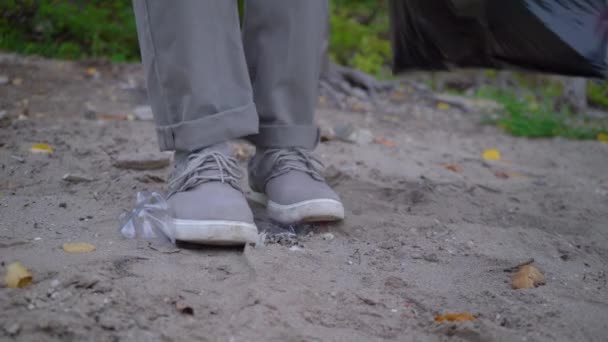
(501, 174)
(528, 277)
(17, 276)
(452, 167)
(455, 317)
(385, 142)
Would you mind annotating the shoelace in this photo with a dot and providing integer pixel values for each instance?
(197, 171)
(298, 159)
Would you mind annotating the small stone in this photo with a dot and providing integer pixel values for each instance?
(143, 113)
(63, 205)
(90, 112)
(55, 283)
(17, 81)
(431, 257)
(351, 134)
(295, 249)
(3, 79)
(13, 329)
(76, 178)
(327, 133)
(328, 236)
(2, 114)
(141, 162)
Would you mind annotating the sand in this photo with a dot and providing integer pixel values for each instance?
(419, 240)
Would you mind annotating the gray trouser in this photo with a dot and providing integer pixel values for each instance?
(209, 82)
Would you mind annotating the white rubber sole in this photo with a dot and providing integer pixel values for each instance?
(317, 210)
(215, 232)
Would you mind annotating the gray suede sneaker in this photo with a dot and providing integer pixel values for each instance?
(207, 202)
(294, 188)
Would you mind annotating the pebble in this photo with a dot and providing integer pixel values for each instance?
(13, 329)
(55, 283)
(352, 134)
(328, 236)
(143, 113)
(3, 79)
(141, 162)
(296, 249)
(430, 257)
(2, 114)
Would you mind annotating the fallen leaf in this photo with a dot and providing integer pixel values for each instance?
(452, 167)
(92, 71)
(602, 137)
(501, 174)
(455, 317)
(528, 277)
(515, 174)
(41, 148)
(78, 247)
(385, 142)
(17, 81)
(443, 106)
(491, 154)
(17, 276)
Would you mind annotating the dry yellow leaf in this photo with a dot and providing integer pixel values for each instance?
(17, 276)
(41, 148)
(455, 317)
(528, 277)
(91, 71)
(491, 154)
(443, 106)
(78, 247)
(602, 137)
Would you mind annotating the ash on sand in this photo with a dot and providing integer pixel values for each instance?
(419, 240)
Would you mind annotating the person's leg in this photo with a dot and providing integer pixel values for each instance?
(284, 42)
(198, 82)
(201, 96)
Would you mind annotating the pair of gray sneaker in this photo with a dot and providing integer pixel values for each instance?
(209, 206)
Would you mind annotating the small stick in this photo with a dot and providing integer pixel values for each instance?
(515, 268)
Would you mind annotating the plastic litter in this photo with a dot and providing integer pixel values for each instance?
(149, 220)
(568, 37)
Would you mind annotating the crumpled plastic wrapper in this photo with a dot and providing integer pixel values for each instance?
(568, 37)
(149, 220)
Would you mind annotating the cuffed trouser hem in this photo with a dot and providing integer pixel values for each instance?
(209, 130)
(305, 136)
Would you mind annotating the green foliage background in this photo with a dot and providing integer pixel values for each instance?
(105, 29)
(75, 29)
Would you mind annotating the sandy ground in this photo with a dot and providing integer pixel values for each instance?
(419, 240)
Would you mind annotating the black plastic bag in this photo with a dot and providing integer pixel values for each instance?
(566, 37)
